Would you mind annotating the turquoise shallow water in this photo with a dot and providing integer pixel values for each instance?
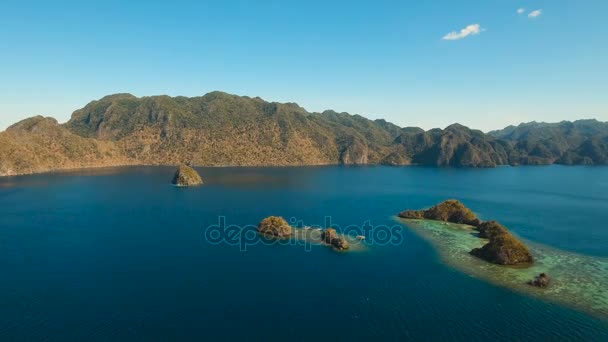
(119, 254)
(578, 281)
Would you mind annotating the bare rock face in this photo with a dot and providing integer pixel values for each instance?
(355, 152)
(395, 159)
(331, 237)
(274, 226)
(186, 176)
(542, 281)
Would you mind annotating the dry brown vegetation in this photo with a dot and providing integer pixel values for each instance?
(220, 129)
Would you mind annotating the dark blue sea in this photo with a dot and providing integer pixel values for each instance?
(120, 254)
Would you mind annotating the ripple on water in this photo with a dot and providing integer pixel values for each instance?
(577, 281)
(312, 236)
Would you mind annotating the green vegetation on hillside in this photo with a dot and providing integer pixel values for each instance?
(39, 144)
(220, 129)
(578, 142)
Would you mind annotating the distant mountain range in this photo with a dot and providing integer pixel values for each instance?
(220, 129)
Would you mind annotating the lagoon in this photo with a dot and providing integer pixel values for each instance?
(120, 254)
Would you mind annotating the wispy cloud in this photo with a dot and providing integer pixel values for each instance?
(473, 29)
(535, 13)
(521, 10)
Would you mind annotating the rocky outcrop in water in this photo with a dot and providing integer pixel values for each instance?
(490, 228)
(274, 226)
(503, 248)
(542, 281)
(186, 176)
(449, 211)
(330, 236)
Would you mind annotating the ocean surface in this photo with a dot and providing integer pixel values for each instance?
(120, 254)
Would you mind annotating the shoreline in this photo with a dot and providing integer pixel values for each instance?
(135, 164)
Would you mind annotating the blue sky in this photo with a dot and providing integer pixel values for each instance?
(381, 59)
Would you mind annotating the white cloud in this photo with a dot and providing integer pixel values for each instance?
(521, 10)
(535, 14)
(473, 29)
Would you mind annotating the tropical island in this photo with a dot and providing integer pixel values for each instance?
(502, 248)
(220, 129)
(559, 276)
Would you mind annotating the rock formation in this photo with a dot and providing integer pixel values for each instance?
(503, 248)
(542, 281)
(490, 228)
(330, 236)
(186, 176)
(449, 211)
(274, 226)
(354, 151)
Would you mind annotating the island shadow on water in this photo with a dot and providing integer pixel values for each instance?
(578, 281)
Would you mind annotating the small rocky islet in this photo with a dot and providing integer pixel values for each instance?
(542, 281)
(449, 211)
(274, 226)
(330, 236)
(278, 227)
(502, 248)
(186, 176)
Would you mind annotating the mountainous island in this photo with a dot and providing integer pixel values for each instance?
(220, 129)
